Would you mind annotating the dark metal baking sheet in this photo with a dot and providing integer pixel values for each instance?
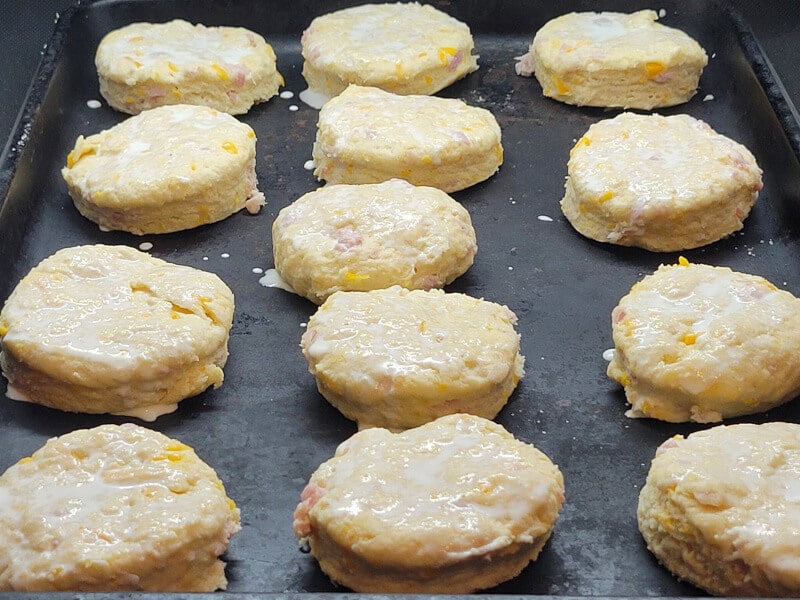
(266, 429)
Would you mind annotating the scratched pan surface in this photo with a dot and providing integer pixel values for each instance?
(266, 429)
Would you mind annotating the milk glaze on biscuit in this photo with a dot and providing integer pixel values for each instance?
(166, 169)
(614, 59)
(663, 183)
(110, 329)
(399, 358)
(721, 510)
(114, 508)
(145, 65)
(404, 48)
(372, 236)
(454, 506)
(367, 135)
(700, 343)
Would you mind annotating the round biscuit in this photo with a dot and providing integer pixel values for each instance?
(367, 135)
(719, 509)
(659, 183)
(450, 507)
(404, 48)
(145, 65)
(372, 236)
(110, 329)
(700, 343)
(114, 508)
(398, 358)
(166, 169)
(614, 59)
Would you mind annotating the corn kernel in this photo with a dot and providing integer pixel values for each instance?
(682, 261)
(654, 68)
(230, 147)
(221, 73)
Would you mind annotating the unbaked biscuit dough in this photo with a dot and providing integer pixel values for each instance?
(372, 236)
(614, 59)
(145, 65)
(700, 343)
(659, 183)
(721, 509)
(166, 169)
(113, 508)
(450, 507)
(400, 358)
(404, 48)
(110, 329)
(367, 135)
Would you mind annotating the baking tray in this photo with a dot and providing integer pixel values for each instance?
(266, 429)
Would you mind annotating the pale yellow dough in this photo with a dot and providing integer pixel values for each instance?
(145, 65)
(451, 507)
(721, 510)
(166, 169)
(614, 59)
(367, 135)
(700, 343)
(659, 183)
(110, 329)
(372, 236)
(399, 358)
(404, 48)
(114, 508)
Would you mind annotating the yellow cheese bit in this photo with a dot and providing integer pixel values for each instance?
(85, 150)
(446, 53)
(605, 196)
(561, 87)
(230, 147)
(221, 73)
(654, 68)
(351, 276)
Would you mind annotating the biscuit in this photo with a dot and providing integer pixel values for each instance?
(145, 65)
(659, 183)
(615, 60)
(701, 343)
(720, 509)
(450, 507)
(166, 169)
(396, 358)
(109, 329)
(372, 236)
(366, 135)
(401, 48)
(117, 507)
